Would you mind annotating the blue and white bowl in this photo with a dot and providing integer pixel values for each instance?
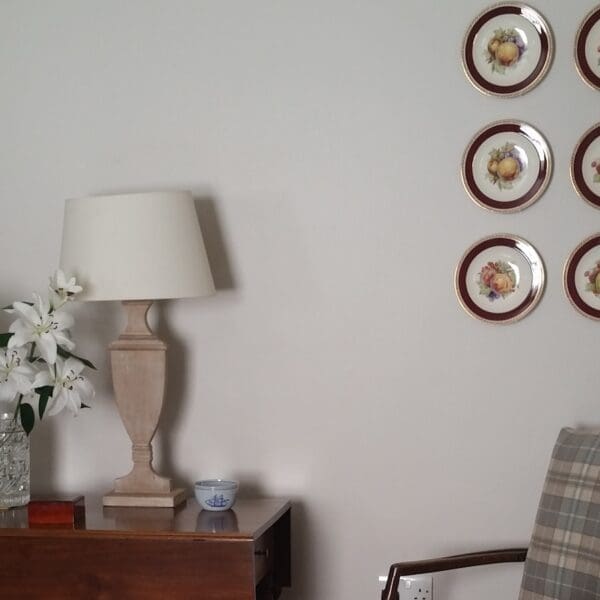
(216, 494)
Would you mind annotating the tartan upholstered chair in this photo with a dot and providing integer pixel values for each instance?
(563, 558)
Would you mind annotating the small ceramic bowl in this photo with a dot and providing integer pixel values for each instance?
(216, 494)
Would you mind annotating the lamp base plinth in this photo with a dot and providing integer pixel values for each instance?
(150, 500)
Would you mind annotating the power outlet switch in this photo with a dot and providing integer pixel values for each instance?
(416, 587)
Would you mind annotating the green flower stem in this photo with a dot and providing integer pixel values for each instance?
(19, 400)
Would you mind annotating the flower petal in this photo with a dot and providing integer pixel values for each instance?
(27, 312)
(46, 344)
(23, 334)
(85, 389)
(21, 353)
(23, 385)
(73, 403)
(43, 378)
(62, 320)
(72, 364)
(42, 306)
(58, 280)
(55, 300)
(63, 341)
(56, 403)
(7, 391)
(24, 370)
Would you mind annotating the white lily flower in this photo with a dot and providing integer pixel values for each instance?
(38, 324)
(71, 389)
(16, 374)
(62, 289)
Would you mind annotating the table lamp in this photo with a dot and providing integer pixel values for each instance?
(137, 248)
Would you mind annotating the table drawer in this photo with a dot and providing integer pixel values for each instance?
(264, 550)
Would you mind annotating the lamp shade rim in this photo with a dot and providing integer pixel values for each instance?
(82, 297)
(141, 194)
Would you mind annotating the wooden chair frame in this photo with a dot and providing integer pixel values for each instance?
(447, 563)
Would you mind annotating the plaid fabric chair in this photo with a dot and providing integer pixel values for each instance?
(563, 558)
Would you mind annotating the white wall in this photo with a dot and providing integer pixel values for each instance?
(323, 140)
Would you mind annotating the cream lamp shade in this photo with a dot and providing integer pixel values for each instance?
(135, 246)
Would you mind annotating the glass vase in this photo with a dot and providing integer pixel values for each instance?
(14, 462)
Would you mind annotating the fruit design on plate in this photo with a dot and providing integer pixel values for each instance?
(504, 166)
(596, 167)
(593, 277)
(497, 280)
(505, 49)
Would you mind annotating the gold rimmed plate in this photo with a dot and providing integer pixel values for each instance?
(581, 277)
(507, 166)
(585, 166)
(587, 49)
(500, 279)
(507, 49)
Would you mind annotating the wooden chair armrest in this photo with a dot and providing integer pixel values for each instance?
(446, 563)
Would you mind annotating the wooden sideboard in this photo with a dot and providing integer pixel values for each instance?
(149, 553)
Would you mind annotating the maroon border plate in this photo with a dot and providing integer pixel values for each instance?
(583, 66)
(477, 78)
(542, 179)
(570, 279)
(577, 166)
(530, 298)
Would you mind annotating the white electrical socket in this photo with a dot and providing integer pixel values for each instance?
(416, 587)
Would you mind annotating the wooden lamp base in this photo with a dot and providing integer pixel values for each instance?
(154, 500)
(138, 363)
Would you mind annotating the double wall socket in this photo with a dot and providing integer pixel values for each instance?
(416, 587)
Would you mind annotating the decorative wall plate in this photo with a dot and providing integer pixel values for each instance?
(587, 49)
(500, 279)
(585, 166)
(507, 50)
(507, 166)
(581, 277)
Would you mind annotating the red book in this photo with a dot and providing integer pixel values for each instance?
(56, 512)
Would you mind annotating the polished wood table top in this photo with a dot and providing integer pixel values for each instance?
(248, 519)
